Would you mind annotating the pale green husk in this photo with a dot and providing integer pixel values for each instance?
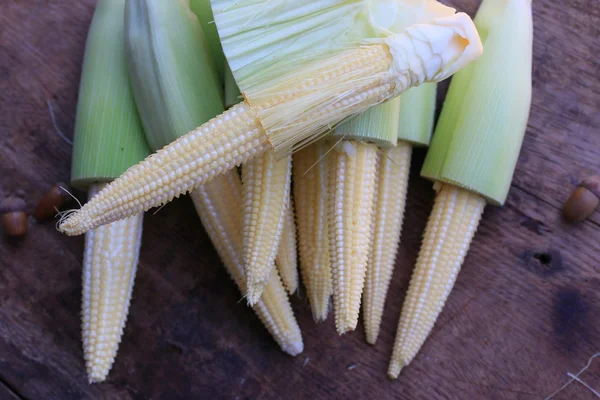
(264, 40)
(232, 91)
(484, 118)
(377, 125)
(203, 11)
(417, 112)
(108, 132)
(172, 72)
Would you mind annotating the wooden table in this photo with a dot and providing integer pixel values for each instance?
(524, 312)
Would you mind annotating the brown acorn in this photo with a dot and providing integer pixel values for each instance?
(13, 216)
(584, 200)
(52, 201)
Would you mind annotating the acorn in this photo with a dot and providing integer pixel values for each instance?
(52, 201)
(13, 216)
(584, 200)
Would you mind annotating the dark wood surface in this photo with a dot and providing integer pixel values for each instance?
(524, 312)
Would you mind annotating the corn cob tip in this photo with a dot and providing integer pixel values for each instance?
(395, 369)
(71, 223)
(97, 374)
(321, 311)
(293, 348)
(371, 337)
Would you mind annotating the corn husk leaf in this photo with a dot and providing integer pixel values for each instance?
(272, 46)
(232, 92)
(164, 42)
(203, 11)
(108, 131)
(417, 112)
(264, 40)
(481, 128)
(377, 125)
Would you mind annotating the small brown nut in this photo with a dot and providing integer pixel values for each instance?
(584, 200)
(14, 217)
(52, 201)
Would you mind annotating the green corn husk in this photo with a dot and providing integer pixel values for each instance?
(203, 11)
(269, 38)
(273, 45)
(417, 112)
(108, 131)
(232, 91)
(171, 100)
(377, 125)
(481, 128)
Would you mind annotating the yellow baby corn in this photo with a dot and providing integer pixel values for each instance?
(266, 181)
(311, 181)
(472, 159)
(109, 267)
(394, 166)
(219, 205)
(352, 177)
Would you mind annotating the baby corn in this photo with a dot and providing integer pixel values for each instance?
(353, 176)
(109, 266)
(472, 160)
(394, 166)
(451, 227)
(311, 181)
(219, 205)
(266, 182)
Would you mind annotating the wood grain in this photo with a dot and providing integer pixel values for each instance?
(525, 309)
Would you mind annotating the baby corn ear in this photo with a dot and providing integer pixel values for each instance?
(219, 205)
(196, 158)
(449, 231)
(311, 181)
(394, 166)
(472, 159)
(266, 181)
(109, 267)
(287, 259)
(353, 175)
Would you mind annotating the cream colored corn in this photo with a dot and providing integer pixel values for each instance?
(472, 159)
(266, 182)
(287, 259)
(449, 231)
(219, 205)
(394, 167)
(311, 180)
(109, 267)
(353, 177)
